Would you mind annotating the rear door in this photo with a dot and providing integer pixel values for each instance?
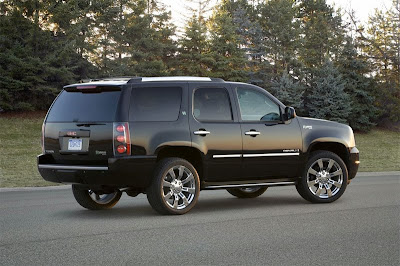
(215, 130)
(79, 125)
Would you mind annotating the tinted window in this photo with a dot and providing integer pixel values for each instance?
(256, 106)
(84, 107)
(212, 104)
(155, 104)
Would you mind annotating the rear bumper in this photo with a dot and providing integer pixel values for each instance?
(354, 162)
(132, 171)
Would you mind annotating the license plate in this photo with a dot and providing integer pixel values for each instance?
(75, 144)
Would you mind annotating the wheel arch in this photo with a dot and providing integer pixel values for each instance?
(192, 155)
(335, 147)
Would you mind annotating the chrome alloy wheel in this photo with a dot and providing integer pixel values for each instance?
(102, 198)
(325, 178)
(178, 187)
(249, 189)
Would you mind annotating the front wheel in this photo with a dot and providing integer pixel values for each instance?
(175, 187)
(247, 192)
(94, 200)
(324, 179)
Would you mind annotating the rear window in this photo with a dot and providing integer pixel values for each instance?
(84, 107)
(155, 104)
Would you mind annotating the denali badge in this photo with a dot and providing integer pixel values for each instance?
(291, 150)
(307, 127)
(101, 153)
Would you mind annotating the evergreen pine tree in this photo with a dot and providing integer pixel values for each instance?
(289, 92)
(381, 46)
(229, 60)
(329, 99)
(358, 86)
(193, 58)
(281, 29)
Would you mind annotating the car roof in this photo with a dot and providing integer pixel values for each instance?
(117, 81)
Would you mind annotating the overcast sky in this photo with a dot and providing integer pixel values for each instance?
(363, 8)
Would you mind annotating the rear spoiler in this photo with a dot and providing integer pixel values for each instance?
(91, 88)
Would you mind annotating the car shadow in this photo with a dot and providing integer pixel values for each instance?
(203, 206)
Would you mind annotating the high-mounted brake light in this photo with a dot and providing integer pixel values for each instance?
(85, 87)
(121, 136)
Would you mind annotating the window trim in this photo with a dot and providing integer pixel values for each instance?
(153, 87)
(80, 121)
(260, 90)
(213, 121)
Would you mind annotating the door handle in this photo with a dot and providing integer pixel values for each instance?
(252, 133)
(201, 132)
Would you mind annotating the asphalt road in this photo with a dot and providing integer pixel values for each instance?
(44, 227)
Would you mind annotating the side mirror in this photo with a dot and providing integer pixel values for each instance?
(290, 113)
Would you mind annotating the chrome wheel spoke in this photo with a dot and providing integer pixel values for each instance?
(330, 164)
(183, 197)
(312, 183)
(328, 190)
(319, 190)
(172, 173)
(166, 184)
(336, 173)
(168, 196)
(181, 169)
(320, 164)
(176, 202)
(312, 171)
(335, 183)
(188, 179)
(189, 189)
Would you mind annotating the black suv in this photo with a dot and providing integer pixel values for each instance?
(170, 137)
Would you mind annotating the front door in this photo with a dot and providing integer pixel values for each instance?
(271, 146)
(215, 130)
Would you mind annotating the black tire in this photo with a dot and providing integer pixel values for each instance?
(167, 192)
(247, 192)
(323, 185)
(104, 201)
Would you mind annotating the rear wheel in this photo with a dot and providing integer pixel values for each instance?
(93, 200)
(324, 179)
(247, 192)
(175, 187)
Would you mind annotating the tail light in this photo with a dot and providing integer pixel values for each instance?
(122, 140)
(42, 139)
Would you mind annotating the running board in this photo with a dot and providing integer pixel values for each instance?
(261, 183)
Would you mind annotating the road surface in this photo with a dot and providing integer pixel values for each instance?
(47, 227)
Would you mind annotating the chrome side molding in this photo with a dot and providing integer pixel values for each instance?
(270, 184)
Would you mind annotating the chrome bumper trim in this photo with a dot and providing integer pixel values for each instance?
(73, 167)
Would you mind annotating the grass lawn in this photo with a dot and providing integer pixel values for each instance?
(379, 150)
(20, 144)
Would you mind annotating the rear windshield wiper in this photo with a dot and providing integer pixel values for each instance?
(88, 124)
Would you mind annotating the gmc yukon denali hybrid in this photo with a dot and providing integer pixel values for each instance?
(170, 137)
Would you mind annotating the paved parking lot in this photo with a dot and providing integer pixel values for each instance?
(47, 227)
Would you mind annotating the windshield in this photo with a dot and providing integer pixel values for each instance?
(84, 107)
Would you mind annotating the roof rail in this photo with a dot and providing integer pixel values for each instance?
(176, 78)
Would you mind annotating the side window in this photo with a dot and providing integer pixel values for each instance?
(155, 104)
(212, 104)
(256, 106)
